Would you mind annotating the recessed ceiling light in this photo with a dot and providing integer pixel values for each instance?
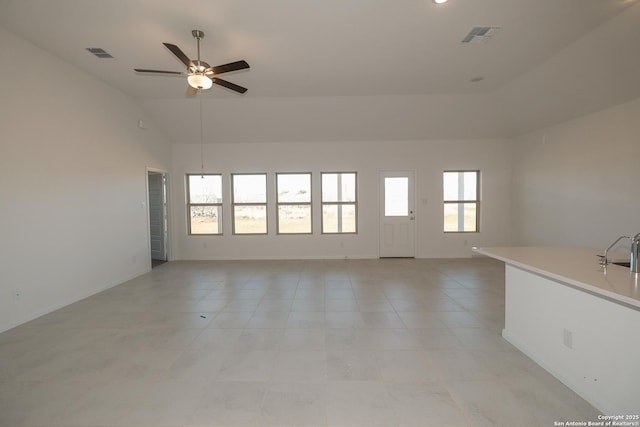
(439, 1)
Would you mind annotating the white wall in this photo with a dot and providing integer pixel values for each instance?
(72, 183)
(578, 183)
(597, 71)
(606, 379)
(332, 118)
(427, 158)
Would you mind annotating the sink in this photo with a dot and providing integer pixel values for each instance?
(622, 263)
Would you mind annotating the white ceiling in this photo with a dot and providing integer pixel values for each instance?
(305, 48)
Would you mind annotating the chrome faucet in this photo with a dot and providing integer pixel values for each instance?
(635, 243)
(603, 258)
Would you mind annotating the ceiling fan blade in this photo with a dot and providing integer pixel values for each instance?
(177, 73)
(191, 91)
(229, 85)
(179, 54)
(226, 68)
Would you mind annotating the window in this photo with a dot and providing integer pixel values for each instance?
(294, 203)
(204, 204)
(396, 196)
(339, 202)
(461, 201)
(249, 203)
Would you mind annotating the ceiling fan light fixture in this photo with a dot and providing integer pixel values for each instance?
(199, 81)
(199, 74)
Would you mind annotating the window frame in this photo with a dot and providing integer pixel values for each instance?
(476, 201)
(340, 204)
(235, 204)
(309, 203)
(189, 204)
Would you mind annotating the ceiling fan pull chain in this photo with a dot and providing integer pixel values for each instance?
(201, 140)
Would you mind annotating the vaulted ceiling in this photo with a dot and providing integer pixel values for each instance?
(331, 69)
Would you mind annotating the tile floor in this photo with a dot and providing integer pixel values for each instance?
(392, 342)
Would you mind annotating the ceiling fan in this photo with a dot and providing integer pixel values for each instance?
(201, 75)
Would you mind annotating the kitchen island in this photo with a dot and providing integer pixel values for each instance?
(576, 319)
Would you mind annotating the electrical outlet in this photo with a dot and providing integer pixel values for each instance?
(567, 338)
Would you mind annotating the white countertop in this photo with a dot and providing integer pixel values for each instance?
(575, 266)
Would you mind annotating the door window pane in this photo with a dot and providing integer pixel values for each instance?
(396, 196)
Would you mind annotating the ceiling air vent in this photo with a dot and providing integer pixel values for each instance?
(480, 34)
(99, 52)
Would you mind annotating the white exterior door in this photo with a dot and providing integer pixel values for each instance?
(397, 215)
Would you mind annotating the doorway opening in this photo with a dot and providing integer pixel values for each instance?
(158, 221)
